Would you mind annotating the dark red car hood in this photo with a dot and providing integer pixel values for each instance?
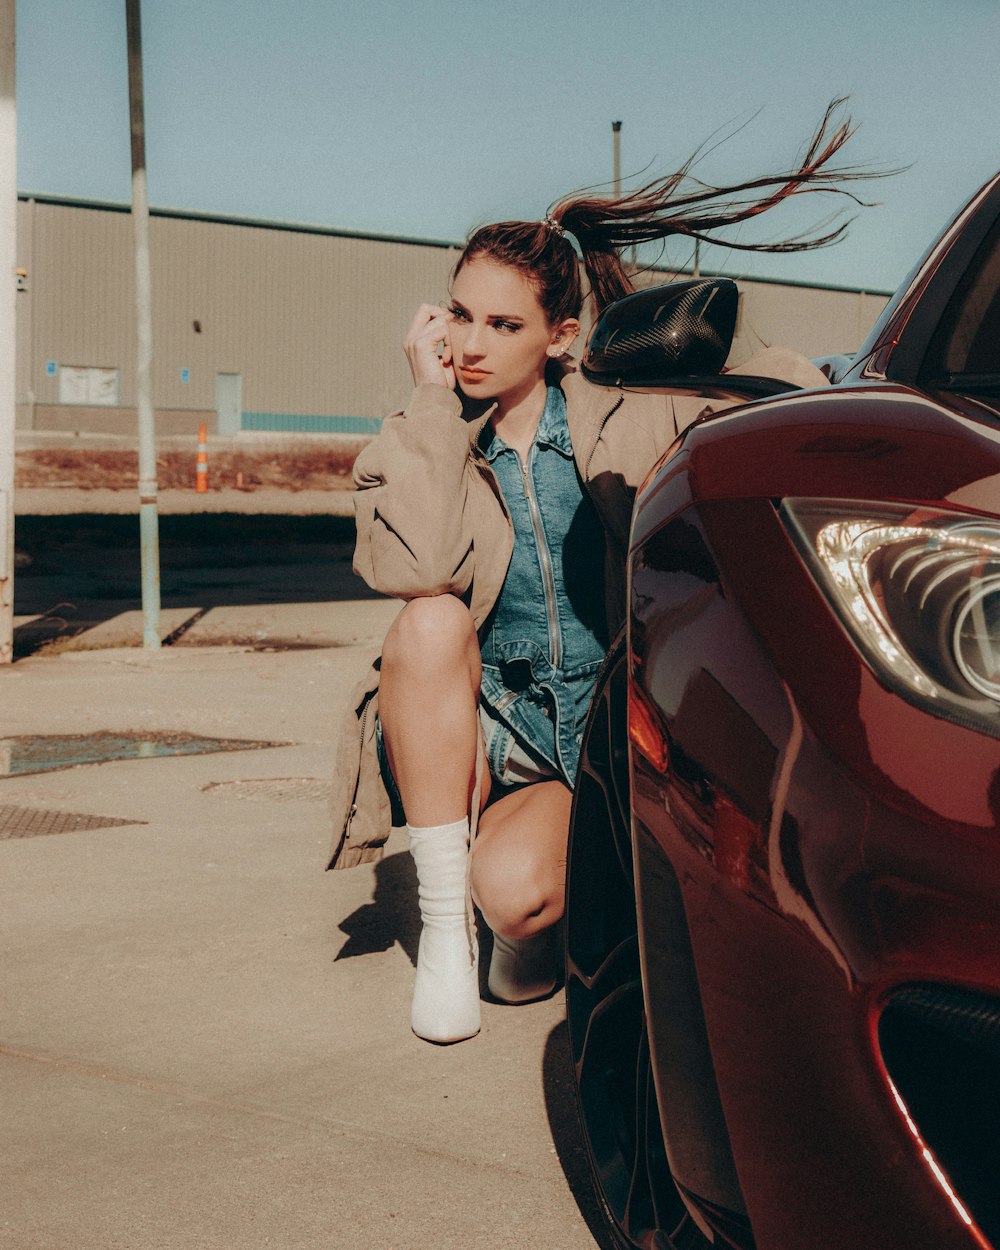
(880, 441)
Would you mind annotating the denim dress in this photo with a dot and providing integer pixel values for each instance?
(546, 638)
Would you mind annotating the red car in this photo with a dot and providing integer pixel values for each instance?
(783, 895)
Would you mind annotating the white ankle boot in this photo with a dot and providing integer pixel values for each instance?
(446, 992)
(524, 969)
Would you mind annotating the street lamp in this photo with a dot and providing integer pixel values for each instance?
(8, 295)
(148, 520)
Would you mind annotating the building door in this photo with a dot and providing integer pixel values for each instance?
(228, 403)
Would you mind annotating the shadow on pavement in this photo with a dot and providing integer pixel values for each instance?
(392, 916)
(564, 1125)
(77, 572)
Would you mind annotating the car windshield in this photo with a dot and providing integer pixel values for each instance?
(965, 352)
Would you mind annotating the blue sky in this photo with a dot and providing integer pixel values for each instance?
(429, 117)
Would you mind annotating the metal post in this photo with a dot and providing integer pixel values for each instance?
(616, 131)
(8, 325)
(148, 522)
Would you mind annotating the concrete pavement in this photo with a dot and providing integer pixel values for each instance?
(205, 1038)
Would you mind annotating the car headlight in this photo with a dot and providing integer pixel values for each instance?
(918, 589)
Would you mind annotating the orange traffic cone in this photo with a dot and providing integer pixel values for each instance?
(201, 471)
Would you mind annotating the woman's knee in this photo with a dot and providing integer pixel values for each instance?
(435, 631)
(517, 894)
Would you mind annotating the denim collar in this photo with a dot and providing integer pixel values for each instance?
(553, 429)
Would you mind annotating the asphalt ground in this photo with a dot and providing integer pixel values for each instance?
(78, 579)
(205, 1037)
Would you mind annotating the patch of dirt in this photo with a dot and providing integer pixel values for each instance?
(326, 468)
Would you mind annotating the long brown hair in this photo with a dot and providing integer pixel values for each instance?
(678, 204)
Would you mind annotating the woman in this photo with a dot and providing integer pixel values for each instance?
(497, 506)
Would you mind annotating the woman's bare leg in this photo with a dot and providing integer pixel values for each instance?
(518, 878)
(519, 861)
(429, 708)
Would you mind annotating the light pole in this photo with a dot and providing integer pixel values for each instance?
(8, 319)
(148, 520)
(616, 139)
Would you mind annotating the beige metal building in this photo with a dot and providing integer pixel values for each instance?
(273, 326)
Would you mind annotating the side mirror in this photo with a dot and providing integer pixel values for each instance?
(661, 334)
(675, 337)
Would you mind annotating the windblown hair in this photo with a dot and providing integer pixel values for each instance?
(678, 204)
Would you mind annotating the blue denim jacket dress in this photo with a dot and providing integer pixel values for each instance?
(547, 635)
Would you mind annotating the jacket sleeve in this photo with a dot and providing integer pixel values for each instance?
(414, 535)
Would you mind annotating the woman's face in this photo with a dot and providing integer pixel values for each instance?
(499, 335)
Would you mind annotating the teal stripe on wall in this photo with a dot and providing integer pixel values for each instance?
(292, 423)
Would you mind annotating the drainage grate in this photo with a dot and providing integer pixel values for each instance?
(34, 822)
(273, 789)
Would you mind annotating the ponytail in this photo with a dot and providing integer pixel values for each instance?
(677, 204)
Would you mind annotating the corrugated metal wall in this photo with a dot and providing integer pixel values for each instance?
(813, 320)
(312, 320)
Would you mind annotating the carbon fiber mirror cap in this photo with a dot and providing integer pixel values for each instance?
(663, 332)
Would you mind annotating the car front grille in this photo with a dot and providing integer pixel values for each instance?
(941, 1047)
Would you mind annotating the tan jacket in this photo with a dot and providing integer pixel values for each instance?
(431, 521)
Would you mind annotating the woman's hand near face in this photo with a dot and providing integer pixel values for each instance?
(428, 331)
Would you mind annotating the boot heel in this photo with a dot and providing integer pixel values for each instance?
(523, 970)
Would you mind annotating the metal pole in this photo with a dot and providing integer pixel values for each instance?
(148, 522)
(616, 134)
(8, 325)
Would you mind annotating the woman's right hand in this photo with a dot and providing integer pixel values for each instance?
(429, 330)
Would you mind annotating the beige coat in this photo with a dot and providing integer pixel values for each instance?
(431, 521)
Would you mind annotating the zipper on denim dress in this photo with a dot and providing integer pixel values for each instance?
(544, 559)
